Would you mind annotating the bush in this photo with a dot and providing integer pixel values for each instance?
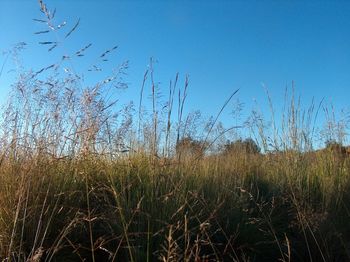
(248, 146)
(188, 147)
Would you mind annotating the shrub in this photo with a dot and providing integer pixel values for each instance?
(248, 146)
(189, 148)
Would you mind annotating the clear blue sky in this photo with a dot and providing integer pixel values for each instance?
(222, 45)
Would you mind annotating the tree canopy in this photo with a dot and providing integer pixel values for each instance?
(248, 146)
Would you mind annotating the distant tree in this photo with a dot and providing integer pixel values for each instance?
(248, 146)
(333, 145)
(188, 147)
(337, 148)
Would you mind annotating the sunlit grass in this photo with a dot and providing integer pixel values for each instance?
(85, 178)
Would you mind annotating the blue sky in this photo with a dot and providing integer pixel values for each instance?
(222, 45)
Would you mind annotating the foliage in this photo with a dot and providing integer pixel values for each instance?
(189, 148)
(248, 146)
(337, 148)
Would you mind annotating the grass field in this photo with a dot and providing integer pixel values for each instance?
(233, 207)
(79, 182)
(83, 178)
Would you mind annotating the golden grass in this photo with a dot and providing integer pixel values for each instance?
(84, 179)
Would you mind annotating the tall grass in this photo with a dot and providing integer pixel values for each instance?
(84, 178)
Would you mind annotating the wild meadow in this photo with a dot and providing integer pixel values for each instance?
(85, 178)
